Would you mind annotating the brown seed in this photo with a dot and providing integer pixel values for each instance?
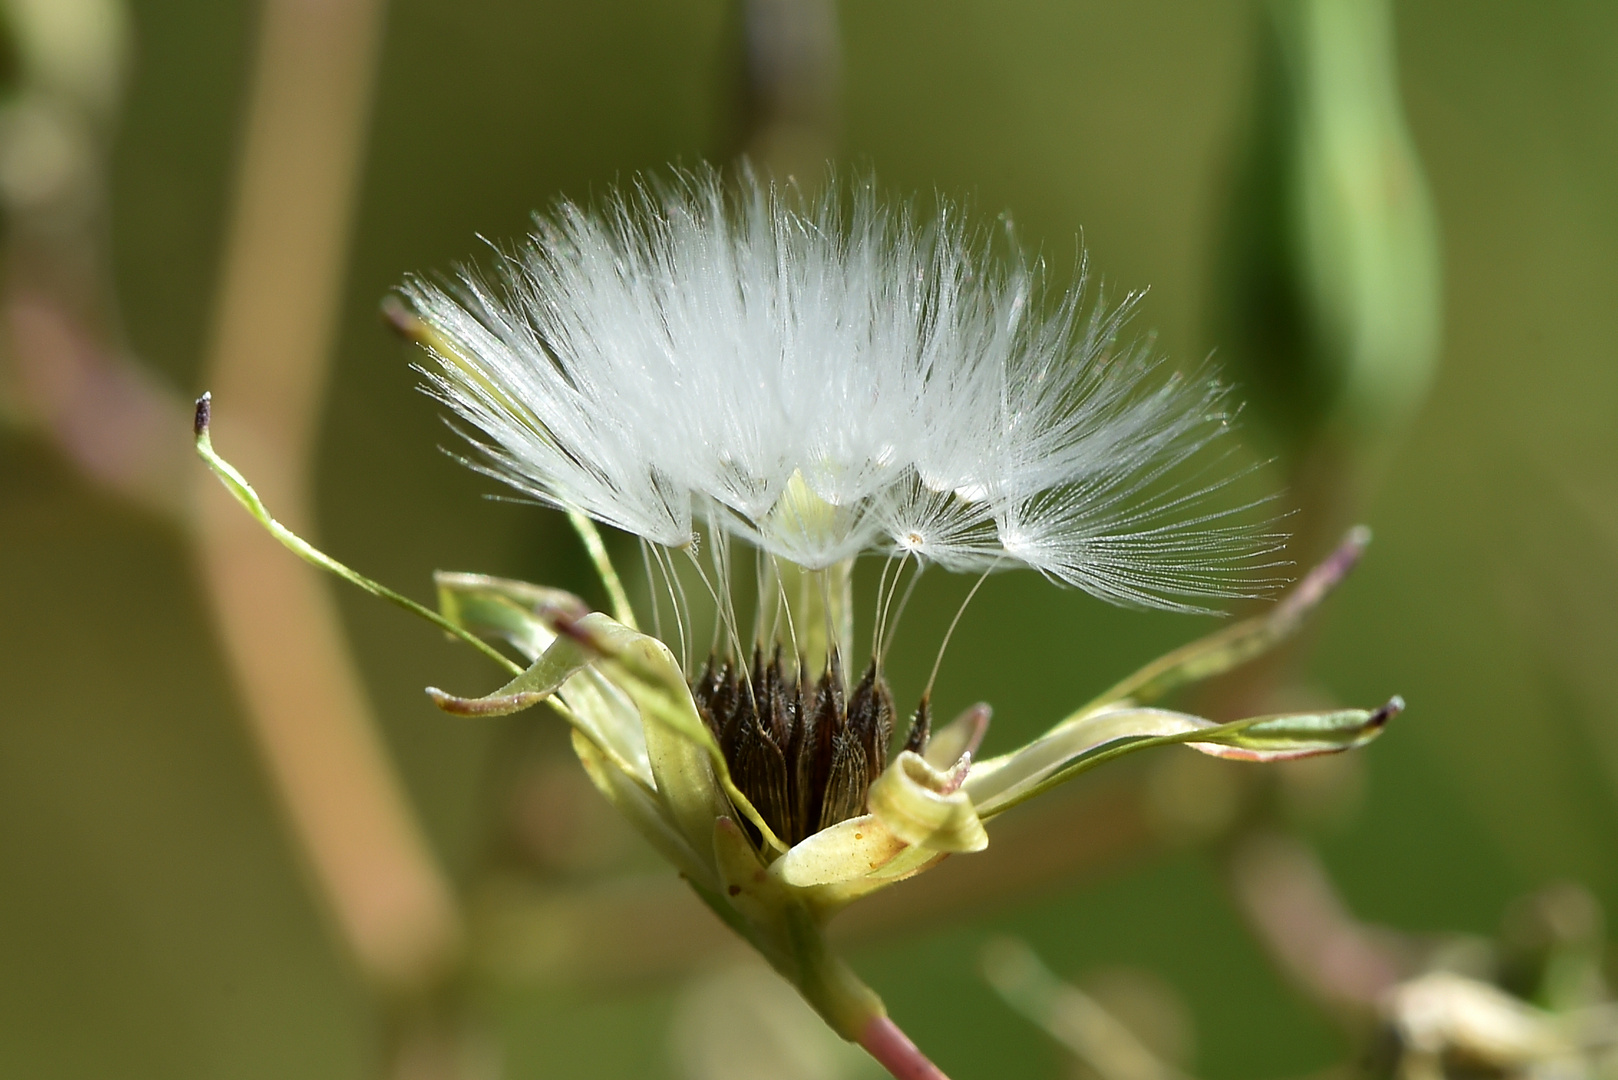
(870, 720)
(921, 728)
(804, 756)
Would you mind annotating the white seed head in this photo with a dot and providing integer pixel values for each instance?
(823, 377)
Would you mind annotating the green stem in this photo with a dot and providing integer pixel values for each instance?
(239, 487)
(825, 981)
(796, 948)
(591, 536)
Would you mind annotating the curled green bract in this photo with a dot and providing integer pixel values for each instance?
(644, 745)
(639, 734)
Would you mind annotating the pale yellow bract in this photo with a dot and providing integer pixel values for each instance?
(638, 732)
(641, 739)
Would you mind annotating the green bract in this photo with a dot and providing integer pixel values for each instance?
(638, 733)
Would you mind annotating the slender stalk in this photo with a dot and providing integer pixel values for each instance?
(284, 263)
(617, 599)
(894, 1051)
(1243, 642)
(238, 486)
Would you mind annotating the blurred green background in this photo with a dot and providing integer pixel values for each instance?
(155, 918)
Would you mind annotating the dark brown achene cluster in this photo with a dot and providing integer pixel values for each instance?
(803, 753)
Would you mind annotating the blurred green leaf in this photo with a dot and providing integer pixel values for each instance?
(1328, 291)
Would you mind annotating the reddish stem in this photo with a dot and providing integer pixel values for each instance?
(895, 1052)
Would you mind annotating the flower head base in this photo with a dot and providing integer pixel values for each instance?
(815, 386)
(803, 753)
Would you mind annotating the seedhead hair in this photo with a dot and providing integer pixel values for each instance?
(825, 376)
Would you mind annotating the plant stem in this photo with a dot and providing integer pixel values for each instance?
(895, 1052)
(275, 316)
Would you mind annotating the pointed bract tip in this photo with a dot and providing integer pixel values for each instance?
(1328, 574)
(402, 319)
(203, 415)
(491, 705)
(1380, 718)
(980, 715)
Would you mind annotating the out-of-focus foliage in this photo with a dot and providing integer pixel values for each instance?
(1328, 304)
(1534, 1005)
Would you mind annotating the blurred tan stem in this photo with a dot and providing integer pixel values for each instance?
(65, 371)
(786, 100)
(276, 314)
(1291, 905)
(1105, 1046)
(116, 422)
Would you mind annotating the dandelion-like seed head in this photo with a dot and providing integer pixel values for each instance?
(795, 382)
(819, 378)
(826, 376)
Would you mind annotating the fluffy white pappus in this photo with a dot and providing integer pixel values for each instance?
(824, 377)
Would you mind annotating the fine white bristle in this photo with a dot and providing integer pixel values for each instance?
(823, 380)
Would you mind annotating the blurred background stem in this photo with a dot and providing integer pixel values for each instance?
(64, 370)
(784, 106)
(68, 375)
(285, 259)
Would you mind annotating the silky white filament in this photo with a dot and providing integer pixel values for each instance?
(822, 379)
